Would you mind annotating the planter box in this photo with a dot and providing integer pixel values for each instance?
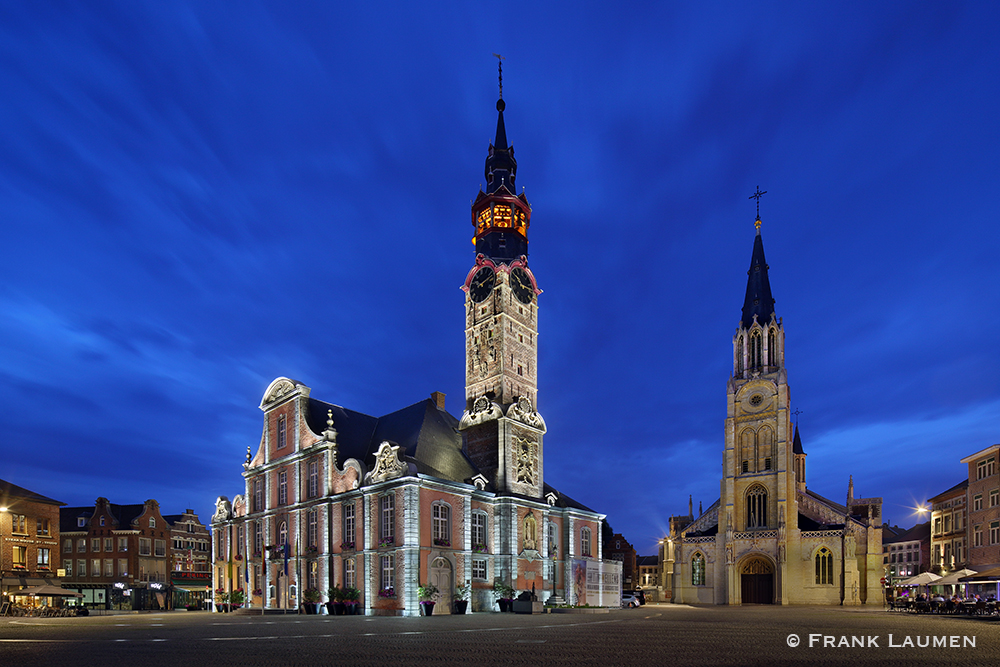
(528, 607)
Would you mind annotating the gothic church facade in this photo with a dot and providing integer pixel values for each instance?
(769, 539)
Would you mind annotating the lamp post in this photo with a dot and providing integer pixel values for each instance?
(3, 510)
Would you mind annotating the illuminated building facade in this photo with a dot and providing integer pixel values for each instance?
(769, 539)
(336, 498)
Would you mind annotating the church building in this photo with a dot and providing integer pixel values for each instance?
(769, 539)
(335, 498)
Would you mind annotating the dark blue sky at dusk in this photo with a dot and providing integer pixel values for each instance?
(200, 197)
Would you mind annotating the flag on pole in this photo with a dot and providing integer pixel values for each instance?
(287, 551)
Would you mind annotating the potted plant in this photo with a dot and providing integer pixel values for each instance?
(461, 603)
(311, 598)
(334, 606)
(221, 600)
(352, 600)
(237, 598)
(504, 595)
(428, 594)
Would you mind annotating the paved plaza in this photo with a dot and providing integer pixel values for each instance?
(650, 635)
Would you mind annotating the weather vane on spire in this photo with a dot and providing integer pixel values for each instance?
(500, 60)
(756, 195)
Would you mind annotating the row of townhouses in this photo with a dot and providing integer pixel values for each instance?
(114, 556)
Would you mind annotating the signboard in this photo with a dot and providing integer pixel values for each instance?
(597, 583)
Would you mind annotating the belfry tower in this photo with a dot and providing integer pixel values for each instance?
(501, 428)
(758, 485)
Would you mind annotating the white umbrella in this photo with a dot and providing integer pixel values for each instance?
(954, 577)
(922, 579)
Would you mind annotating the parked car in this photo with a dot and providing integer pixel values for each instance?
(629, 600)
(640, 596)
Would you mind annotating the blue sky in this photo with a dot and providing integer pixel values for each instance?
(199, 197)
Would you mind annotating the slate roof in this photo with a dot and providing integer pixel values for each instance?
(427, 436)
(797, 442)
(961, 485)
(123, 514)
(758, 300)
(10, 491)
(921, 531)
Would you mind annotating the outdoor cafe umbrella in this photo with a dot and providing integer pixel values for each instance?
(47, 591)
(922, 579)
(953, 578)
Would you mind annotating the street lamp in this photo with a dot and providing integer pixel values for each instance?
(3, 510)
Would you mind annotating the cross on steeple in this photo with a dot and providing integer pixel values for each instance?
(500, 60)
(797, 412)
(756, 195)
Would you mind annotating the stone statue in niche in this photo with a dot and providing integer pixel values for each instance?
(530, 532)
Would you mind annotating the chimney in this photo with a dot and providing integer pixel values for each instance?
(438, 398)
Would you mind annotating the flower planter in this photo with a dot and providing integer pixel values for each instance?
(426, 608)
(460, 606)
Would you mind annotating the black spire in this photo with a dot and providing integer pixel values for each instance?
(758, 300)
(501, 167)
(797, 442)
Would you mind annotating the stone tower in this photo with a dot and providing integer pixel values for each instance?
(758, 483)
(501, 428)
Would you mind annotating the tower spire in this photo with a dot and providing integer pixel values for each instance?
(758, 301)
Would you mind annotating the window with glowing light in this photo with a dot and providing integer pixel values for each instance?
(501, 216)
(698, 570)
(824, 567)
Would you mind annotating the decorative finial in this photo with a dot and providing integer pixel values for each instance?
(249, 458)
(329, 419)
(500, 59)
(756, 195)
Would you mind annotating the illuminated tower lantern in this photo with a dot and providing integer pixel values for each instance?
(501, 428)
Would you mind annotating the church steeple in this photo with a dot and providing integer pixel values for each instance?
(758, 300)
(758, 346)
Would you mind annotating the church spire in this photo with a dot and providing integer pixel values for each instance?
(758, 300)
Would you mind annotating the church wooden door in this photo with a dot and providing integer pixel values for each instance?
(757, 582)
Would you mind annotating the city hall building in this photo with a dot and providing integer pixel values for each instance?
(338, 498)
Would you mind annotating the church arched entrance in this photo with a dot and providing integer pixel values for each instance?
(757, 582)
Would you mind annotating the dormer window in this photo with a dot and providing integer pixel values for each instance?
(81, 521)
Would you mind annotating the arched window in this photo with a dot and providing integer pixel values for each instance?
(755, 349)
(739, 356)
(765, 448)
(756, 502)
(553, 540)
(530, 532)
(772, 347)
(824, 566)
(282, 533)
(748, 457)
(441, 524)
(698, 570)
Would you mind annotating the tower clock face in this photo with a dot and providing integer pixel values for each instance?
(520, 283)
(482, 284)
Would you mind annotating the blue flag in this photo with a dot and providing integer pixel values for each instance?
(287, 550)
